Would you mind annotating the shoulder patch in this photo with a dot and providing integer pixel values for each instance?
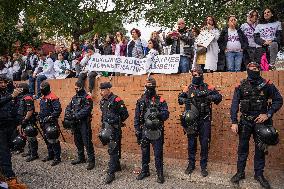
(88, 97)
(28, 98)
(117, 99)
(52, 96)
(211, 87)
(162, 99)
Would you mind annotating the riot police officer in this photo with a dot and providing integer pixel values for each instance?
(26, 113)
(7, 125)
(50, 110)
(79, 112)
(150, 113)
(114, 113)
(198, 98)
(252, 96)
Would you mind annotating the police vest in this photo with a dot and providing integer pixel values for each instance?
(150, 111)
(78, 102)
(108, 108)
(252, 97)
(22, 111)
(199, 100)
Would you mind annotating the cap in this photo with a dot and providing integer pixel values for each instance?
(105, 85)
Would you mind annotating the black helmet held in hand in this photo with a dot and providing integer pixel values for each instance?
(105, 135)
(68, 123)
(267, 134)
(188, 119)
(52, 133)
(30, 131)
(19, 142)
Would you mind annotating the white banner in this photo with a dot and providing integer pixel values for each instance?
(166, 64)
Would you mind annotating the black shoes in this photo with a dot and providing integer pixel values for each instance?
(55, 162)
(31, 158)
(262, 181)
(118, 168)
(160, 178)
(237, 177)
(78, 161)
(204, 172)
(189, 169)
(47, 158)
(109, 178)
(143, 175)
(91, 165)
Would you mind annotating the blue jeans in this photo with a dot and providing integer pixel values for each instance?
(234, 61)
(184, 64)
(39, 80)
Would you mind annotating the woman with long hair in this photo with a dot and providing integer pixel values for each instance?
(267, 34)
(75, 56)
(120, 44)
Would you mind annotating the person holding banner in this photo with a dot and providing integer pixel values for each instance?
(135, 47)
(154, 50)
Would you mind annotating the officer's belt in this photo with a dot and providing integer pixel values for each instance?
(248, 117)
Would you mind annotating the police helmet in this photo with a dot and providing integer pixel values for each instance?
(52, 132)
(188, 120)
(267, 134)
(19, 142)
(30, 131)
(105, 135)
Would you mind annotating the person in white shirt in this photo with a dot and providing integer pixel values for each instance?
(44, 70)
(154, 50)
(61, 66)
(267, 34)
(251, 54)
(232, 42)
(212, 50)
(87, 70)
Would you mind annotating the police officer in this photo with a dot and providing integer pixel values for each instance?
(7, 125)
(79, 111)
(150, 113)
(199, 95)
(26, 113)
(114, 113)
(50, 110)
(252, 96)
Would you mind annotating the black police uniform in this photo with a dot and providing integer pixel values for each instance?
(145, 104)
(252, 96)
(27, 104)
(8, 112)
(50, 110)
(79, 110)
(201, 96)
(114, 113)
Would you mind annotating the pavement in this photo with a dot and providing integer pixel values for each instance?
(40, 175)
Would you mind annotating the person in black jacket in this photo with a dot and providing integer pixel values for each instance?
(232, 43)
(79, 111)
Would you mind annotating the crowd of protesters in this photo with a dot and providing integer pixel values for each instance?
(257, 40)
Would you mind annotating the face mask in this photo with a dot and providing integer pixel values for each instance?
(197, 80)
(79, 91)
(254, 75)
(150, 91)
(44, 91)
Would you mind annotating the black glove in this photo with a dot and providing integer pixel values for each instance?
(138, 135)
(24, 122)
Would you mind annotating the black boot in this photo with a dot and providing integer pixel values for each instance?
(32, 158)
(56, 162)
(91, 165)
(160, 178)
(143, 175)
(47, 158)
(118, 167)
(204, 172)
(26, 154)
(109, 178)
(189, 169)
(78, 161)
(237, 177)
(262, 181)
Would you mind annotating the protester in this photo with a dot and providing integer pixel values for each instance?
(16, 67)
(135, 47)
(120, 44)
(30, 63)
(62, 66)
(75, 56)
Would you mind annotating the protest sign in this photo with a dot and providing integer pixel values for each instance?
(204, 38)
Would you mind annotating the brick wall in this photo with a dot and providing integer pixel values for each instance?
(223, 143)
